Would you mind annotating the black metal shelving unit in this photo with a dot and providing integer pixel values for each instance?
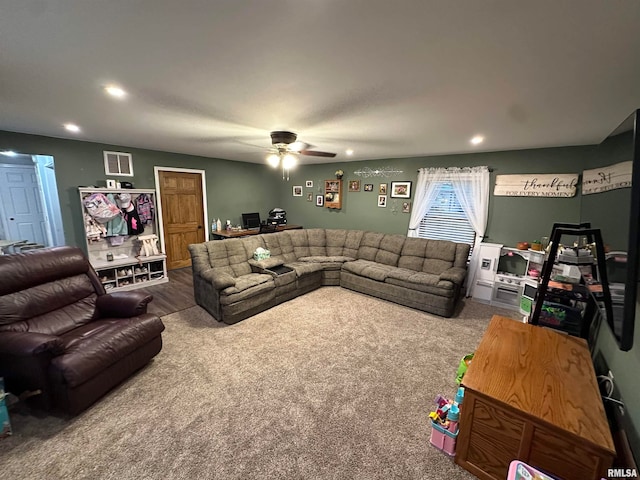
(577, 293)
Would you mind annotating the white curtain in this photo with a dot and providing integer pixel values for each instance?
(472, 189)
(426, 191)
(471, 185)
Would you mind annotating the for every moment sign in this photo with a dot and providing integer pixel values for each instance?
(533, 185)
(607, 178)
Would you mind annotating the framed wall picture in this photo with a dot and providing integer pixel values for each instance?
(382, 200)
(383, 189)
(400, 189)
(297, 190)
(368, 187)
(354, 185)
(319, 200)
(406, 207)
(308, 184)
(309, 197)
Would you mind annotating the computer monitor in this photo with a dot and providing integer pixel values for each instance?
(251, 220)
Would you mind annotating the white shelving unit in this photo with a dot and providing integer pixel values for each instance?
(128, 269)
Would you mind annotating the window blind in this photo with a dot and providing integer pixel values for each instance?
(446, 219)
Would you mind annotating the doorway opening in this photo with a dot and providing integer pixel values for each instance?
(30, 204)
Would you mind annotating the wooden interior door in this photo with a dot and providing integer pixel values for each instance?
(182, 215)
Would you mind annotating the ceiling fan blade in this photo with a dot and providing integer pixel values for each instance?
(315, 153)
(299, 146)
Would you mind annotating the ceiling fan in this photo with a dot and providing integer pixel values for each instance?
(285, 148)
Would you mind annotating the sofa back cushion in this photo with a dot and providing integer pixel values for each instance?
(300, 242)
(280, 246)
(343, 242)
(49, 291)
(432, 256)
(230, 256)
(317, 242)
(381, 248)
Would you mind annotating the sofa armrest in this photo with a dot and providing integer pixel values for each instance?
(261, 266)
(454, 274)
(123, 304)
(29, 344)
(219, 280)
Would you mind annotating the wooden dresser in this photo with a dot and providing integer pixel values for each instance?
(531, 394)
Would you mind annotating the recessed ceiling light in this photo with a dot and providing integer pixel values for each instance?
(349, 152)
(8, 153)
(115, 91)
(477, 140)
(72, 127)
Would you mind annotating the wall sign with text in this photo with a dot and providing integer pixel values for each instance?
(534, 185)
(607, 178)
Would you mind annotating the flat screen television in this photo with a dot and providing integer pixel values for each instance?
(616, 212)
(250, 220)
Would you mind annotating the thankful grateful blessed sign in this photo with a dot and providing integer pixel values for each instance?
(607, 178)
(533, 185)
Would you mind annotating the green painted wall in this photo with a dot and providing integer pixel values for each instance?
(232, 187)
(511, 219)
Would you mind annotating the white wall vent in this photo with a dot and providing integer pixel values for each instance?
(118, 163)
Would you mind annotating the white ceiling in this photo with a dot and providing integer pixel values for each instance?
(387, 78)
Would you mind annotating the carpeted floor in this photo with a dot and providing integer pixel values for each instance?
(332, 385)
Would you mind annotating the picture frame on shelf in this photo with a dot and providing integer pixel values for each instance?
(319, 200)
(400, 189)
(297, 190)
(382, 190)
(308, 184)
(382, 200)
(111, 184)
(368, 187)
(354, 185)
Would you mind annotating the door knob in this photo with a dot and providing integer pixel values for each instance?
(199, 227)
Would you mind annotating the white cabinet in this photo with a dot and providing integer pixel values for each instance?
(116, 253)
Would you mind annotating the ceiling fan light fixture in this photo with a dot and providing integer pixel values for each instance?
(288, 161)
(273, 160)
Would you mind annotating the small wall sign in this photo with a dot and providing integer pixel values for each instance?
(536, 185)
(608, 178)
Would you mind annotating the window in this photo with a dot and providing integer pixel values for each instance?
(118, 163)
(446, 219)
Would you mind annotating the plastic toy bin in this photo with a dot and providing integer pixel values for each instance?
(443, 439)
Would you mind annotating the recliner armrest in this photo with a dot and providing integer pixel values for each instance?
(28, 344)
(123, 304)
(454, 274)
(220, 280)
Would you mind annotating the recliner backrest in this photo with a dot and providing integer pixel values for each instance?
(51, 291)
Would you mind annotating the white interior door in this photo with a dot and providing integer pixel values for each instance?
(20, 195)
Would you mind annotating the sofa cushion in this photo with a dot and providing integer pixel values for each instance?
(317, 242)
(91, 348)
(247, 286)
(300, 242)
(229, 256)
(304, 268)
(432, 256)
(366, 268)
(280, 245)
(390, 248)
(423, 282)
(327, 259)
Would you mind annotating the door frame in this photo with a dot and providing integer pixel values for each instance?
(156, 174)
(48, 236)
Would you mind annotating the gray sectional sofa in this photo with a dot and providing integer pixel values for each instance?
(231, 285)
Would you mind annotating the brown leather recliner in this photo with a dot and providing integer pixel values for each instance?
(62, 334)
